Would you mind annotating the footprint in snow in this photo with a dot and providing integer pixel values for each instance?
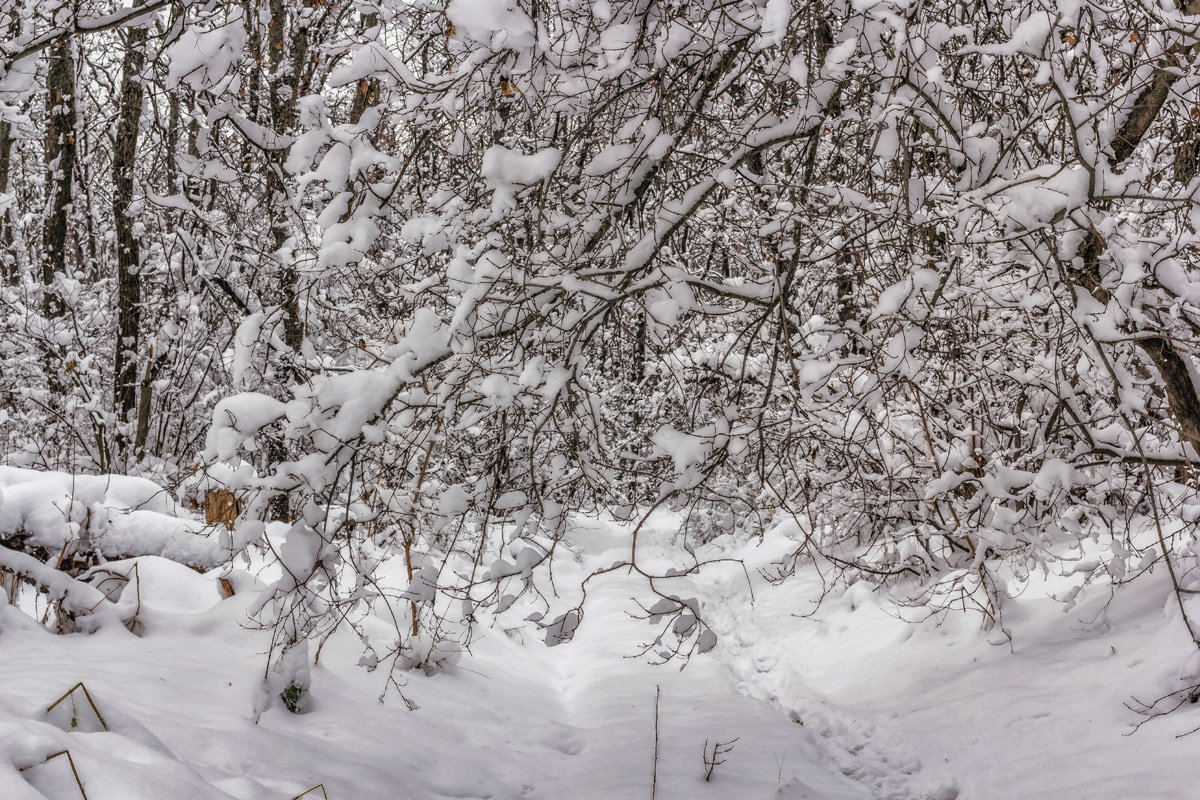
(876, 759)
(873, 757)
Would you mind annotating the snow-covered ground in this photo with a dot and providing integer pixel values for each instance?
(849, 702)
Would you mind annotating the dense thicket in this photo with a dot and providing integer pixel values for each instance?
(918, 278)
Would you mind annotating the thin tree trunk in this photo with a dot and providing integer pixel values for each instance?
(287, 63)
(129, 279)
(60, 166)
(60, 175)
(7, 265)
(285, 90)
(142, 432)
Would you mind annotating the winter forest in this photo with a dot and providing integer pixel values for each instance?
(599, 399)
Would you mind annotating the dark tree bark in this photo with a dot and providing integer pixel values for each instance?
(129, 279)
(287, 66)
(7, 259)
(7, 267)
(59, 158)
(287, 47)
(60, 168)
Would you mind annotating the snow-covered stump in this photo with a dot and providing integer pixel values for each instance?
(60, 532)
(78, 606)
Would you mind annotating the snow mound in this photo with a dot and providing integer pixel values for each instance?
(116, 515)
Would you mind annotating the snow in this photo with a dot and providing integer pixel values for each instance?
(203, 58)
(775, 17)
(500, 24)
(507, 171)
(1042, 195)
(119, 515)
(237, 418)
(848, 701)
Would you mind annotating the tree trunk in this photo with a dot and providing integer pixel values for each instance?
(60, 175)
(285, 90)
(129, 279)
(7, 264)
(153, 367)
(60, 167)
(287, 45)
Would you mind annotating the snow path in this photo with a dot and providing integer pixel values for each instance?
(766, 664)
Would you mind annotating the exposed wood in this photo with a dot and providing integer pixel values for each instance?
(221, 507)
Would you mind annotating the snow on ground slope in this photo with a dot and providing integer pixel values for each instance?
(852, 703)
